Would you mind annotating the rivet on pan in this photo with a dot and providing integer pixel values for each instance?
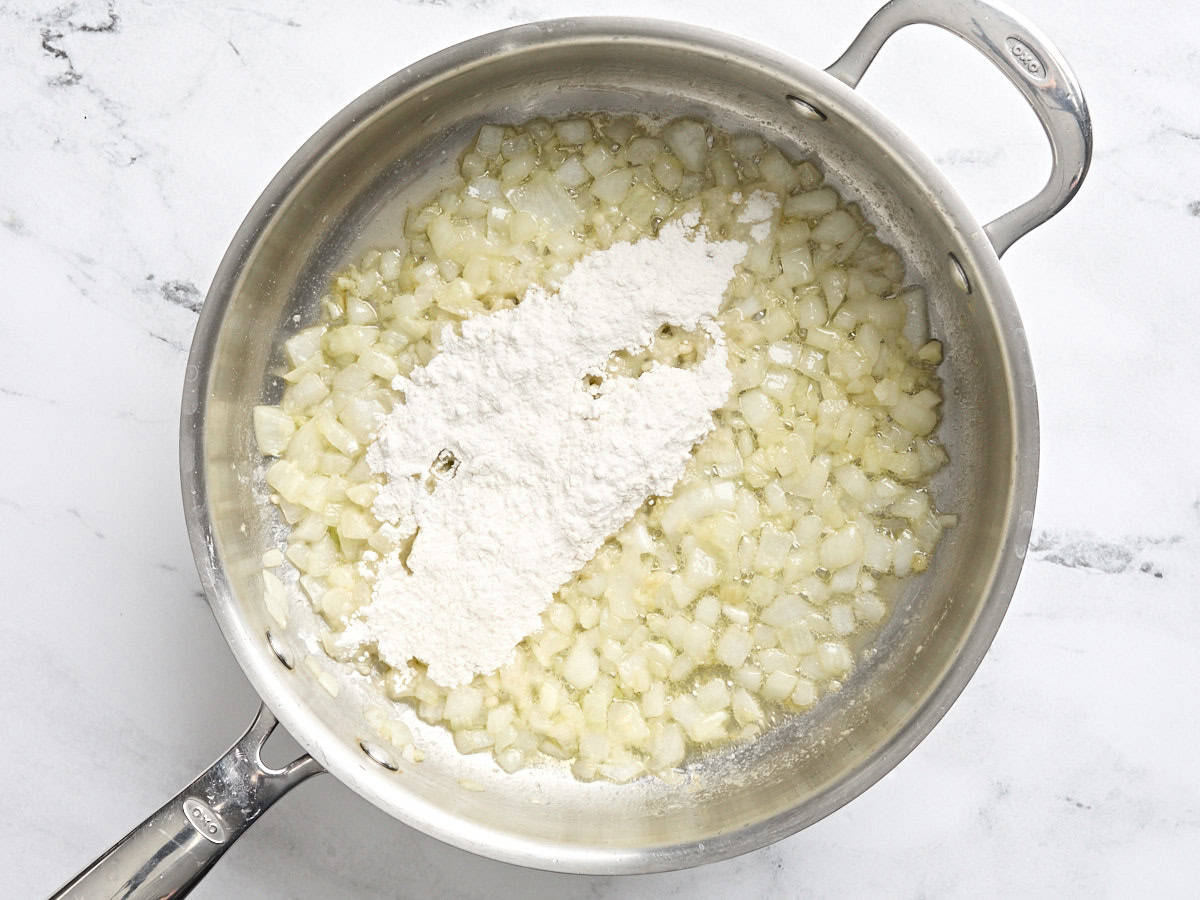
(806, 109)
(959, 274)
(277, 649)
(377, 756)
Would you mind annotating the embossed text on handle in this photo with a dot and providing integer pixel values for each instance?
(201, 817)
(1026, 58)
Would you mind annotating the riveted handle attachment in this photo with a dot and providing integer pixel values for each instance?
(171, 851)
(1031, 63)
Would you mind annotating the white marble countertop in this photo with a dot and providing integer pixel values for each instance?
(134, 138)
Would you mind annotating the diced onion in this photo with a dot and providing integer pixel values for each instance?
(273, 428)
(737, 596)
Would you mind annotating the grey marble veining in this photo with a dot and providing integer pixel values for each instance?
(135, 136)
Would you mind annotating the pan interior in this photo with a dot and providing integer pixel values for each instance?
(347, 190)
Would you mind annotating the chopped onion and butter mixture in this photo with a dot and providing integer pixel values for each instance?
(742, 596)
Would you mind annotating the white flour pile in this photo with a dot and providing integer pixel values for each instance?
(511, 470)
(758, 212)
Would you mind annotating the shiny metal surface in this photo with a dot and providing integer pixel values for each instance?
(347, 188)
(169, 853)
(1018, 49)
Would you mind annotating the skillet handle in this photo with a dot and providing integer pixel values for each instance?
(1030, 61)
(168, 854)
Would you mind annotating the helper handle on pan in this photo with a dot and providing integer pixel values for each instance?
(170, 852)
(1029, 60)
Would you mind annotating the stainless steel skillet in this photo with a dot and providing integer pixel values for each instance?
(345, 188)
